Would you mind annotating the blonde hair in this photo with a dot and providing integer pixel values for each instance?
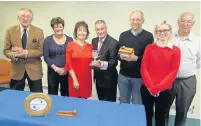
(156, 28)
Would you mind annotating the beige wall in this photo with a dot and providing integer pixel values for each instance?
(115, 14)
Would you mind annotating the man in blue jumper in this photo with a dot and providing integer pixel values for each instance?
(129, 80)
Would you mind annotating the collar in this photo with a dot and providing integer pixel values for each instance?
(103, 39)
(22, 29)
(189, 37)
(136, 32)
(169, 45)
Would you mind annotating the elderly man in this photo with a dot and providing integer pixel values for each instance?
(106, 75)
(129, 80)
(23, 44)
(184, 87)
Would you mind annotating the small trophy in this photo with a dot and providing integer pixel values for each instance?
(95, 55)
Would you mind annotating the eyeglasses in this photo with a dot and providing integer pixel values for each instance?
(186, 21)
(25, 17)
(163, 31)
(137, 20)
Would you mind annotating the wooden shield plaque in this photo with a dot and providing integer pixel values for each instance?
(38, 104)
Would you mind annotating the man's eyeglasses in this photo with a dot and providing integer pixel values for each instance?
(137, 20)
(25, 17)
(186, 21)
(163, 31)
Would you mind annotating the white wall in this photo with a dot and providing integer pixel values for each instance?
(116, 15)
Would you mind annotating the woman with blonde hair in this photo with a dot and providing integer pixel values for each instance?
(159, 68)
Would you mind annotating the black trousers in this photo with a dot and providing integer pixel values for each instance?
(106, 94)
(183, 91)
(161, 106)
(34, 85)
(54, 79)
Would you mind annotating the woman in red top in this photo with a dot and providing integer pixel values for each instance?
(78, 59)
(159, 68)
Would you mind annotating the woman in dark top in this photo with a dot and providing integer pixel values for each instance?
(54, 56)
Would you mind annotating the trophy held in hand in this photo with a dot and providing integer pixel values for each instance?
(126, 51)
(95, 55)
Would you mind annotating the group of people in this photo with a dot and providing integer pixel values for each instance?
(162, 68)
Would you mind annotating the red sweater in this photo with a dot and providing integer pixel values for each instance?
(159, 67)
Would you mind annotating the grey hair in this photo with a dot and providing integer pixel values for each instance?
(193, 16)
(138, 11)
(100, 22)
(27, 10)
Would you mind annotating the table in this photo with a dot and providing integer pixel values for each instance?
(89, 112)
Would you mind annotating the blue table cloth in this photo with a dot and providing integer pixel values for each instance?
(89, 112)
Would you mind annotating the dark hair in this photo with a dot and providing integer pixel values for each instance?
(77, 25)
(57, 20)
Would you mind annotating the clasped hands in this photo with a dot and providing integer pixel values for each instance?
(128, 57)
(154, 91)
(19, 52)
(60, 71)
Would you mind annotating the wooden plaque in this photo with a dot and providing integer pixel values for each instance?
(38, 104)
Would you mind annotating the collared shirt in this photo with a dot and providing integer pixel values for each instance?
(100, 42)
(135, 33)
(190, 54)
(169, 45)
(22, 30)
(105, 63)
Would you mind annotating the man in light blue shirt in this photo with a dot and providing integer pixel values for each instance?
(184, 87)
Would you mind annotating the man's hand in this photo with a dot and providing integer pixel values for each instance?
(19, 52)
(128, 57)
(98, 63)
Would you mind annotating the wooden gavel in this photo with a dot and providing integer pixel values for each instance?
(67, 113)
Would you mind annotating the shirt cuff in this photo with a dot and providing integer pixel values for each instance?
(105, 65)
(15, 58)
(26, 53)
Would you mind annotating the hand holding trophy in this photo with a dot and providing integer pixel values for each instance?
(95, 55)
(127, 54)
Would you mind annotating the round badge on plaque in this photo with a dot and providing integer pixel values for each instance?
(38, 104)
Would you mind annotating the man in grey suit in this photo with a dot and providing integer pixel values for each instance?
(184, 87)
(105, 75)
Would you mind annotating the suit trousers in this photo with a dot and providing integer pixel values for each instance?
(34, 85)
(106, 93)
(54, 79)
(183, 91)
(161, 105)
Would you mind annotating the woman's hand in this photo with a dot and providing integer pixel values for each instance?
(76, 85)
